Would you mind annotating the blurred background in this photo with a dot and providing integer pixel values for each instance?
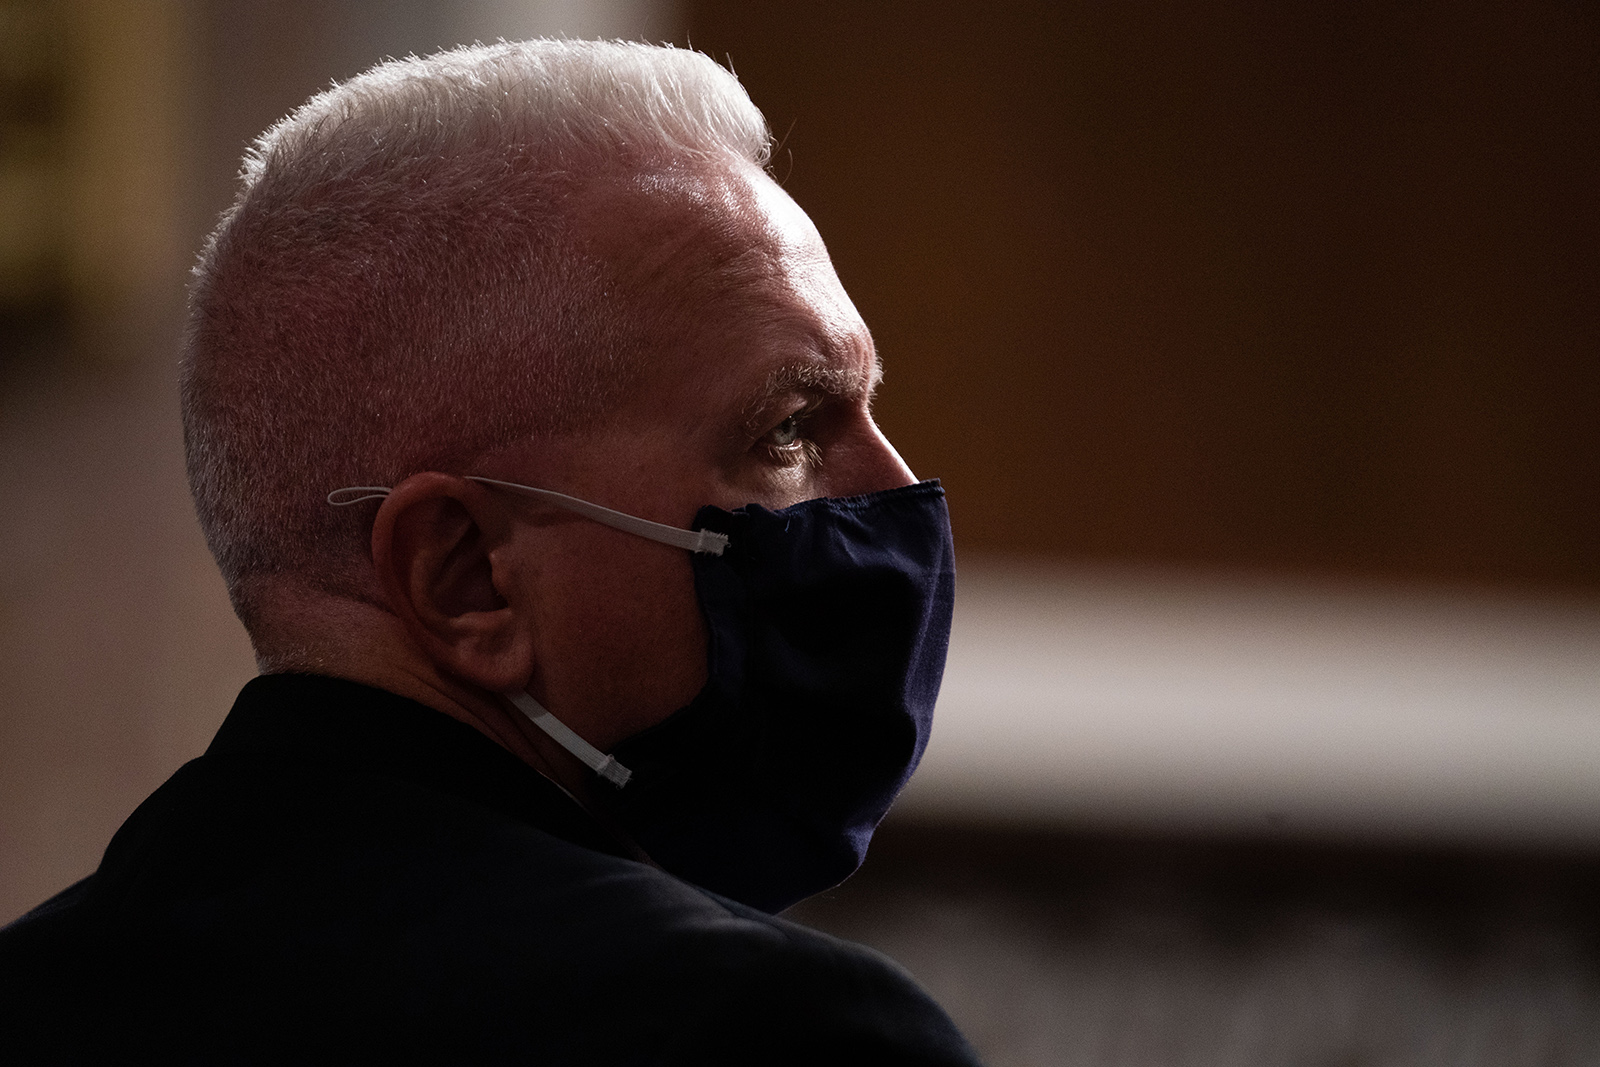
(1258, 347)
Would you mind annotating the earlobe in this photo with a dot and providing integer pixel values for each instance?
(432, 547)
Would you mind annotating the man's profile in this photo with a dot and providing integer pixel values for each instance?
(597, 621)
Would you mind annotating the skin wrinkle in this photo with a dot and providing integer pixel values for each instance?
(815, 381)
(700, 449)
(610, 624)
(334, 249)
(731, 237)
(731, 310)
(685, 250)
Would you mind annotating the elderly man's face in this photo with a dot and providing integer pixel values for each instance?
(759, 393)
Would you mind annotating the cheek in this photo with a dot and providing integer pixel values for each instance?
(624, 644)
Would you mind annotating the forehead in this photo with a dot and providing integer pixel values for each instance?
(744, 294)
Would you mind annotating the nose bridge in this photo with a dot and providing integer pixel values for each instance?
(874, 466)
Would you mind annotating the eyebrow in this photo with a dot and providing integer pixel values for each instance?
(816, 377)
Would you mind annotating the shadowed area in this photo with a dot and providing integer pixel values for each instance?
(1061, 947)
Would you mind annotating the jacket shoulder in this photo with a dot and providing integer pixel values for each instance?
(807, 997)
(385, 916)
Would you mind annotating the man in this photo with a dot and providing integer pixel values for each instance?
(529, 425)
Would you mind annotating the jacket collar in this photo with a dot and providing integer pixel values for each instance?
(345, 727)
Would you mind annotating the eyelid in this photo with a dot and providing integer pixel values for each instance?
(796, 406)
(800, 452)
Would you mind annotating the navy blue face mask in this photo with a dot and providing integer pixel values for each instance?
(828, 625)
(829, 622)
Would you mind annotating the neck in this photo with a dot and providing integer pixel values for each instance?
(314, 633)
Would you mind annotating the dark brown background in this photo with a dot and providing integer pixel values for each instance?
(1302, 286)
(1308, 287)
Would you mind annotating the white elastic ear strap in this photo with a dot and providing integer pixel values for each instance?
(598, 762)
(705, 541)
(693, 540)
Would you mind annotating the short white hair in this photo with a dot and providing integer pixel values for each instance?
(398, 286)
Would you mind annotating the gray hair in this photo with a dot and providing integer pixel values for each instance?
(398, 286)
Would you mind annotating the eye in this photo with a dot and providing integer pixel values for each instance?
(786, 434)
(789, 444)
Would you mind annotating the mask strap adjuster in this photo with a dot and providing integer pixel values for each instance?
(599, 762)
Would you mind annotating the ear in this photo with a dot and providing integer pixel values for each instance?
(434, 544)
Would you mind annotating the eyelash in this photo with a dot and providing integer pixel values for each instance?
(802, 450)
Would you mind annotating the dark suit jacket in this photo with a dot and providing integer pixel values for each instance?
(347, 875)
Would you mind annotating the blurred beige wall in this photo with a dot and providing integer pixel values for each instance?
(118, 652)
(128, 118)
(95, 118)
